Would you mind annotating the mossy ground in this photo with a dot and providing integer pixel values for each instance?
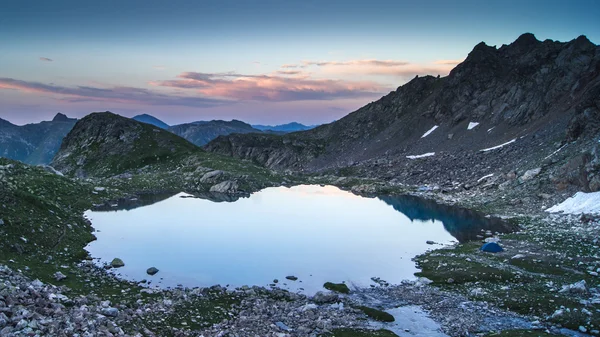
(520, 333)
(44, 232)
(337, 287)
(376, 314)
(529, 284)
(361, 333)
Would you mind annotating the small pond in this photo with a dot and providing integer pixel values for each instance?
(315, 233)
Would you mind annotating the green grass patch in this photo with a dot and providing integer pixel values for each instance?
(337, 287)
(377, 315)
(360, 333)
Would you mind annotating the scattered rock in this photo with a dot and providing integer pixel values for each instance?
(59, 276)
(530, 174)
(283, 327)
(429, 242)
(111, 312)
(325, 298)
(575, 288)
(291, 278)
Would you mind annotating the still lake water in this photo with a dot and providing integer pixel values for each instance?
(315, 233)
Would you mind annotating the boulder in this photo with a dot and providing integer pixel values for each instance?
(111, 312)
(325, 298)
(117, 263)
(291, 278)
(530, 174)
(575, 288)
(59, 276)
(227, 186)
(211, 177)
(152, 271)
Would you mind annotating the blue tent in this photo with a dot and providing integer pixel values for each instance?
(491, 247)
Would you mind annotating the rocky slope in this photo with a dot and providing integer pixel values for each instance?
(502, 110)
(203, 132)
(148, 119)
(34, 143)
(103, 144)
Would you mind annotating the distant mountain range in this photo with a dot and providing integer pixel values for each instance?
(289, 127)
(34, 143)
(202, 132)
(37, 143)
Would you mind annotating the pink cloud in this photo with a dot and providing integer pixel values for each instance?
(448, 62)
(270, 87)
(114, 94)
(396, 68)
(367, 62)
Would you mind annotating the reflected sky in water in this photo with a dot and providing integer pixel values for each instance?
(316, 233)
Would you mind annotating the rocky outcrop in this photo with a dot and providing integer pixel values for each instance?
(34, 143)
(227, 187)
(105, 144)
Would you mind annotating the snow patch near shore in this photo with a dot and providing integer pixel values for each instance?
(428, 154)
(498, 146)
(581, 202)
(472, 125)
(429, 132)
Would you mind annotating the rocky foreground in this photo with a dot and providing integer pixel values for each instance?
(34, 308)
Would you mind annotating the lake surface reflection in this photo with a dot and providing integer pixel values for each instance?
(315, 233)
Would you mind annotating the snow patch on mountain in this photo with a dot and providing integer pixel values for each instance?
(498, 146)
(430, 131)
(472, 125)
(428, 154)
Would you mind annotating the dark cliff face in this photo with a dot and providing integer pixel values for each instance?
(545, 90)
(34, 143)
(200, 133)
(105, 144)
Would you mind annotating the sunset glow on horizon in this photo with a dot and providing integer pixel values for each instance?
(267, 62)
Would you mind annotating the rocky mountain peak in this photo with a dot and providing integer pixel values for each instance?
(103, 144)
(526, 40)
(60, 117)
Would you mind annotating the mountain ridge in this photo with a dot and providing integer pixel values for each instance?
(523, 94)
(34, 143)
(288, 127)
(202, 132)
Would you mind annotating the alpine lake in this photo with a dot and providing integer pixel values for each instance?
(314, 233)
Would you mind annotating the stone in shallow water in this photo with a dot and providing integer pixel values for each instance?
(152, 271)
(291, 278)
(117, 263)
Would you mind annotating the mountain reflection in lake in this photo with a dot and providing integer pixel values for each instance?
(318, 234)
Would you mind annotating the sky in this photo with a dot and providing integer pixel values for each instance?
(261, 61)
